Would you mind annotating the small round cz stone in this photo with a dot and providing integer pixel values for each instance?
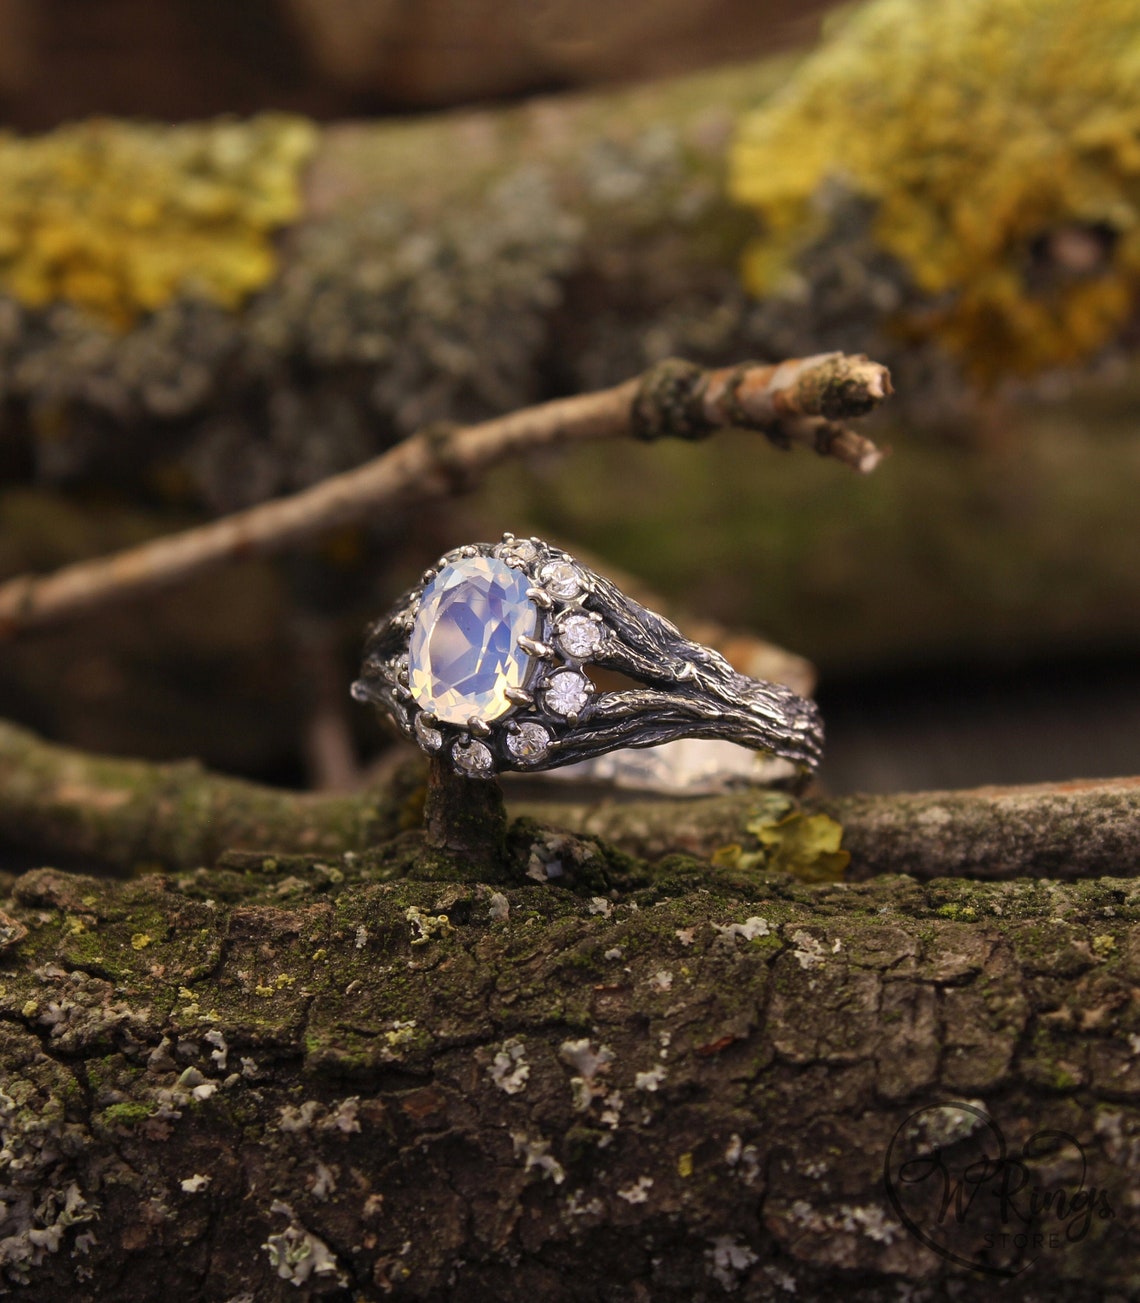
(567, 692)
(579, 636)
(528, 743)
(473, 759)
(431, 739)
(519, 552)
(561, 579)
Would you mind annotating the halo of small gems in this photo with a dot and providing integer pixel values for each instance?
(561, 579)
(486, 668)
(482, 664)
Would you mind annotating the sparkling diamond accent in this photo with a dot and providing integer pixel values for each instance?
(518, 552)
(431, 739)
(561, 579)
(528, 743)
(567, 692)
(579, 636)
(473, 758)
(464, 650)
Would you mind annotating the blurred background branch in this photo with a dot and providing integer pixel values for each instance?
(203, 316)
(798, 401)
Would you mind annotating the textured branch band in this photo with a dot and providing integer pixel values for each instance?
(484, 664)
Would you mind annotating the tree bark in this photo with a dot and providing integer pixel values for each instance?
(626, 1084)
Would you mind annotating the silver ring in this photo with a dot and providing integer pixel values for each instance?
(485, 664)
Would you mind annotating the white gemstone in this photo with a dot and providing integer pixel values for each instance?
(473, 758)
(528, 743)
(579, 636)
(567, 692)
(431, 739)
(518, 552)
(464, 652)
(561, 579)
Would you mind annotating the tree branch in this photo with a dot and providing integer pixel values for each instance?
(67, 805)
(63, 803)
(792, 402)
(1046, 830)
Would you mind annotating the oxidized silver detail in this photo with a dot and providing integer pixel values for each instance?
(558, 718)
(429, 737)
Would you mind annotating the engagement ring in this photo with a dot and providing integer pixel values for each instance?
(486, 664)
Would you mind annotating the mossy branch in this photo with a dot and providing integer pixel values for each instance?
(123, 814)
(66, 805)
(797, 401)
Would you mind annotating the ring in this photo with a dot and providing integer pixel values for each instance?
(485, 664)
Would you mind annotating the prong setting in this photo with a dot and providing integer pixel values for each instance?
(536, 648)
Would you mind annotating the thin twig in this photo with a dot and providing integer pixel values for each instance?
(797, 401)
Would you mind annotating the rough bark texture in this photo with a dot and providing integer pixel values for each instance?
(619, 1085)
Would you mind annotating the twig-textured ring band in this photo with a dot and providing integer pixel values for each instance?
(485, 663)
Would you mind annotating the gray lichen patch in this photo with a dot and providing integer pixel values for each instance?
(45, 1191)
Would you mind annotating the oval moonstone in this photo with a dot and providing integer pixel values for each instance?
(464, 650)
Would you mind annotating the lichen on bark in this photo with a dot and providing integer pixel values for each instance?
(557, 1088)
(994, 144)
(121, 218)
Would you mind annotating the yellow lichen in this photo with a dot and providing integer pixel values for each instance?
(806, 846)
(991, 136)
(119, 218)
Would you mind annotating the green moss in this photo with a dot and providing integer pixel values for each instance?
(979, 132)
(126, 1115)
(120, 218)
(954, 909)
